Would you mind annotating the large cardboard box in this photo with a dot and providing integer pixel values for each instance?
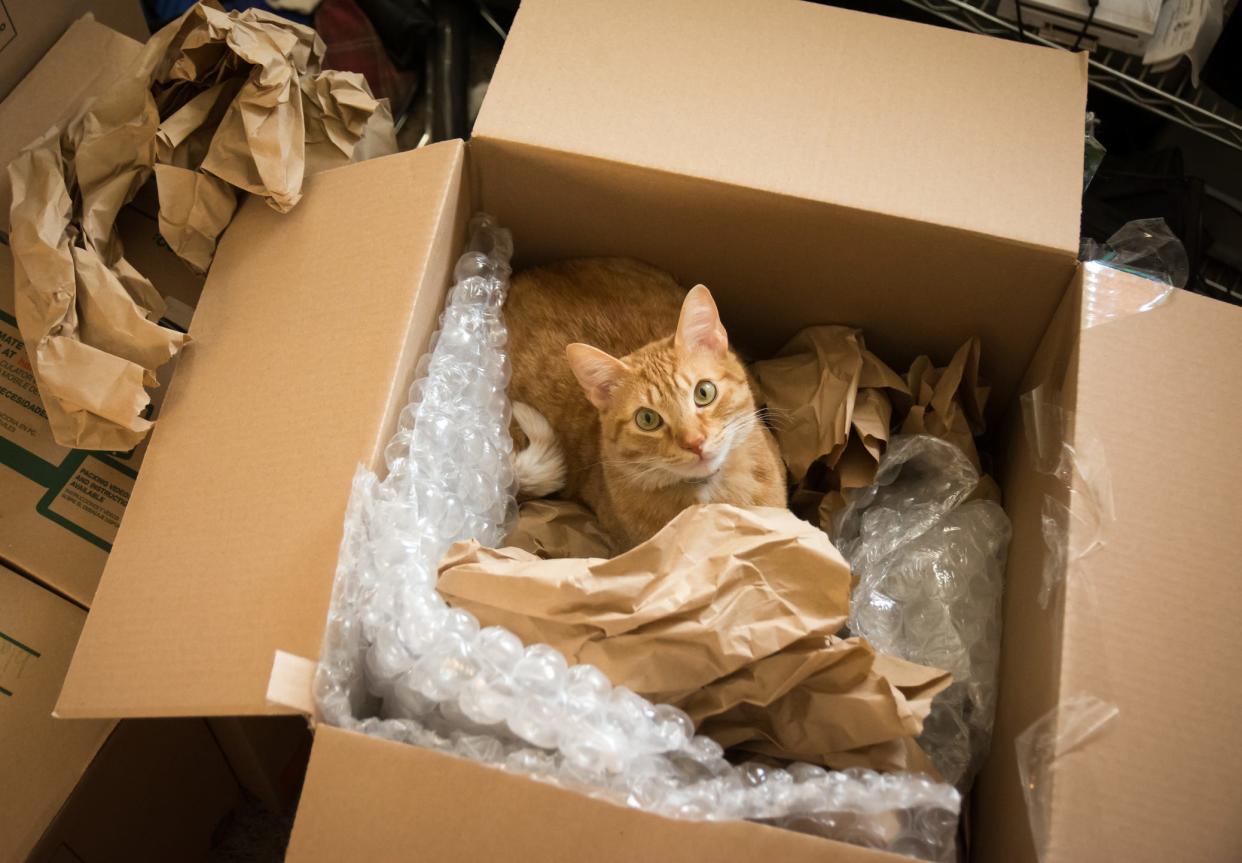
(811, 165)
(60, 507)
(29, 27)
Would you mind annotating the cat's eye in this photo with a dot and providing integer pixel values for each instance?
(704, 393)
(647, 419)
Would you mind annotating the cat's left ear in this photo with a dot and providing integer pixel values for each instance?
(699, 329)
(598, 373)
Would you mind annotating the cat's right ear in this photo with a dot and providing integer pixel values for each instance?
(599, 373)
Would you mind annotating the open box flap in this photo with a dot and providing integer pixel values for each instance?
(1150, 618)
(1141, 624)
(228, 547)
(364, 797)
(805, 100)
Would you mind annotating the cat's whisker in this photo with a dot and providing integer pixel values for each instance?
(777, 418)
(743, 422)
(769, 411)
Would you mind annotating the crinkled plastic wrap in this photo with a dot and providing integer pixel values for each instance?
(1093, 152)
(1076, 514)
(1045, 745)
(1078, 509)
(929, 560)
(1144, 247)
(399, 663)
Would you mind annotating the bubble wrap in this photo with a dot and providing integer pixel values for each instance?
(398, 663)
(930, 568)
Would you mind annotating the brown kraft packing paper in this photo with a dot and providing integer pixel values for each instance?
(948, 402)
(729, 613)
(215, 103)
(832, 403)
(558, 528)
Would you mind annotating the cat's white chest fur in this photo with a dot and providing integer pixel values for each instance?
(706, 492)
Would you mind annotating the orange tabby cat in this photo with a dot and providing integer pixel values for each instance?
(635, 377)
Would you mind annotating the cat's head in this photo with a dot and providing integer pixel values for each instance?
(673, 410)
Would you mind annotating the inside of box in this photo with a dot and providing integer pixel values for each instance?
(777, 264)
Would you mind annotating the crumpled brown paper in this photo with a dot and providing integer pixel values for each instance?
(849, 695)
(730, 613)
(216, 102)
(833, 403)
(809, 389)
(558, 528)
(948, 402)
(831, 414)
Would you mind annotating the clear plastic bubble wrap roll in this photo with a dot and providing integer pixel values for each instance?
(399, 663)
(930, 565)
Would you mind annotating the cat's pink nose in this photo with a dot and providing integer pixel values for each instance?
(694, 444)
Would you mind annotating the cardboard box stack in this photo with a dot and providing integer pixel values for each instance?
(765, 150)
(93, 790)
(28, 28)
(62, 506)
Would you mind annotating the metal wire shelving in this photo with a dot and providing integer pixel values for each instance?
(1170, 94)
